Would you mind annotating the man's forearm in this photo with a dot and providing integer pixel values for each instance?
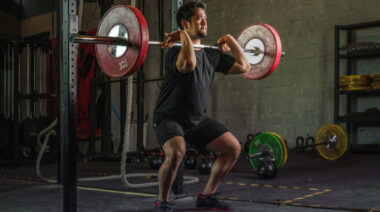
(237, 52)
(186, 61)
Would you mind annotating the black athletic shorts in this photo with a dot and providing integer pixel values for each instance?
(199, 136)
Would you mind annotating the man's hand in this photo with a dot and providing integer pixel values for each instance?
(241, 64)
(173, 37)
(186, 60)
(222, 42)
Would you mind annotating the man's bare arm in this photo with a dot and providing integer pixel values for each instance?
(186, 60)
(241, 64)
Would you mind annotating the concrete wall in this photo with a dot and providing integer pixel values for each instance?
(297, 99)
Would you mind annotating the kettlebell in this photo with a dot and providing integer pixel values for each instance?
(156, 161)
(212, 157)
(190, 159)
(248, 142)
(204, 165)
(267, 170)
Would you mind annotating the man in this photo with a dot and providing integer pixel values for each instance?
(179, 116)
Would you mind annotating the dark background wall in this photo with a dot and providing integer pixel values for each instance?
(296, 100)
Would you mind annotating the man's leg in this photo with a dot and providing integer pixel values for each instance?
(174, 150)
(229, 147)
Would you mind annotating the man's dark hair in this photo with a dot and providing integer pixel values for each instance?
(187, 10)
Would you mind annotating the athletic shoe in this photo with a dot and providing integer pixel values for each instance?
(211, 201)
(162, 206)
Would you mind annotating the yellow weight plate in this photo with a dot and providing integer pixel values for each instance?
(283, 146)
(338, 139)
(354, 77)
(375, 84)
(355, 88)
(374, 76)
(350, 83)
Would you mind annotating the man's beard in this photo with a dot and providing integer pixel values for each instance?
(202, 34)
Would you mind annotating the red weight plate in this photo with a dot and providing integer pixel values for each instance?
(267, 40)
(144, 38)
(138, 36)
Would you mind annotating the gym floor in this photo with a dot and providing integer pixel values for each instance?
(306, 183)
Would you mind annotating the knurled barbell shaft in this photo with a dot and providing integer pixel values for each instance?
(91, 39)
(159, 43)
(312, 145)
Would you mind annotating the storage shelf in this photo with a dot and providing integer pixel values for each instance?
(360, 25)
(361, 92)
(374, 53)
(354, 51)
(365, 118)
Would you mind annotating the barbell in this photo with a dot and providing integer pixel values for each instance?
(122, 40)
(332, 143)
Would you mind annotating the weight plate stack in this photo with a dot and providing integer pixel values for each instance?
(375, 81)
(355, 82)
(267, 141)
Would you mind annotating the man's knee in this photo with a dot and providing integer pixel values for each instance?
(227, 145)
(174, 151)
(236, 151)
(175, 157)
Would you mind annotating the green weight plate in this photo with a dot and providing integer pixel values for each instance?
(266, 140)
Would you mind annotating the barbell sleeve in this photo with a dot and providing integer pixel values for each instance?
(92, 39)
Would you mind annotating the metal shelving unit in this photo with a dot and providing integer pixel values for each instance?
(352, 118)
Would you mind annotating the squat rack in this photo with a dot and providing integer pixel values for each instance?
(67, 95)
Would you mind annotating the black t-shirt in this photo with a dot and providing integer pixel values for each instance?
(183, 96)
